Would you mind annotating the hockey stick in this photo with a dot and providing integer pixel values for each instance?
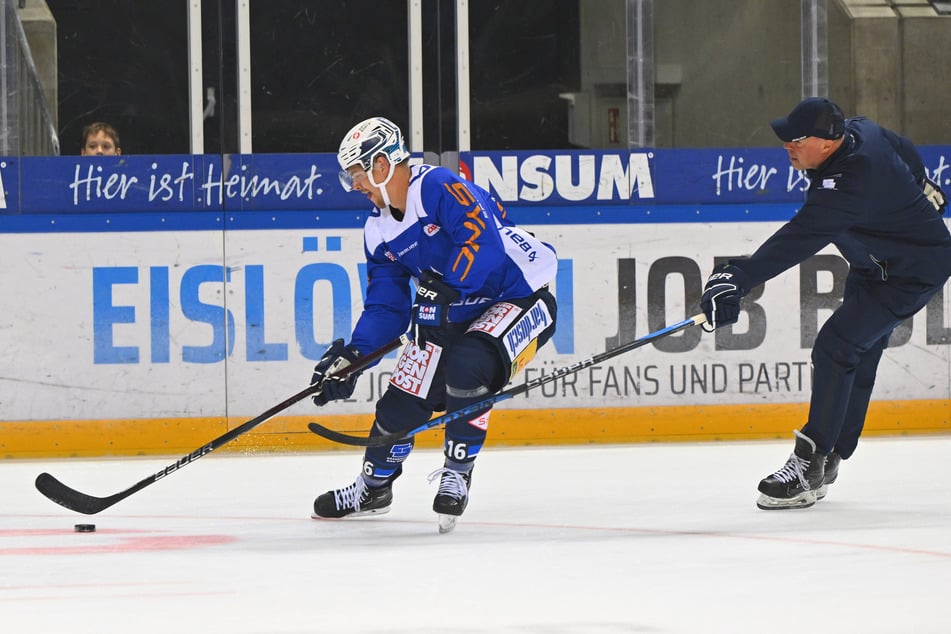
(90, 504)
(386, 439)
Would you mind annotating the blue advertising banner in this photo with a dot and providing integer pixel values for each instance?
(652, 177)
(175, 183)
(148, 193)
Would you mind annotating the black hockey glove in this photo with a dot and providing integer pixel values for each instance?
(935, 196)
(337, 357)
(431, 306)
(720, 302)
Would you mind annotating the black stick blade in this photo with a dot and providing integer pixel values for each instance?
(346, 439)
(71, 498)
(90, 504)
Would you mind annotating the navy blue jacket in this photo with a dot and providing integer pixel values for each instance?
(867, 200)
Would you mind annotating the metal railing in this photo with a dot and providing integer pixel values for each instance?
(26, 122)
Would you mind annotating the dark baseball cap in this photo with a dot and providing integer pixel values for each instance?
(814, 116)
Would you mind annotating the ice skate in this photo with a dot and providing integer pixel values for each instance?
(831, 473)
(355, 500)
(794, 486)
(452, 497)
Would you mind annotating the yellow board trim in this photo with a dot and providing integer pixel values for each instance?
(141, 437)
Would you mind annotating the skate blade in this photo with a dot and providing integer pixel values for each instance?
(381, 511)
(446, 523)
(821, 492)
(802, 501)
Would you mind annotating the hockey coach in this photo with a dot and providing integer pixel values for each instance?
(870, 197)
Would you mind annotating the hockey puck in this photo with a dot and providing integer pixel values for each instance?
(85, 528)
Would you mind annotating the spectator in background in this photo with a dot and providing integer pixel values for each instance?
(100, 139)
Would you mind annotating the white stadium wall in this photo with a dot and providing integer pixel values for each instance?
(146, 341)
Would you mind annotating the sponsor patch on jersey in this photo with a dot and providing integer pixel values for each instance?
(496, 319)
(431, 229)
(428, 314)
(828, 183)
(523, 359)
(389, 256)
(415, 370)
(526, 329)
(481, 421)
(403, 252)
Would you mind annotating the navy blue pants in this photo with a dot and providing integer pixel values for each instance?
(846, 354)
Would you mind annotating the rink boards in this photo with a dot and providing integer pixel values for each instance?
(137, 325)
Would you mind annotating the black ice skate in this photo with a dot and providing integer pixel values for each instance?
(831, 473)
(452, 496)
(794, 486)
(355, 500)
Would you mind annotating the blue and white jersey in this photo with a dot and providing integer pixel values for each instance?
(454, 228)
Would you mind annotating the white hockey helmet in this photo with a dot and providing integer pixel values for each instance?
(367, 140)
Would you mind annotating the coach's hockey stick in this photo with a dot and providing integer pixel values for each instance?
(90, 504)
(386, 439)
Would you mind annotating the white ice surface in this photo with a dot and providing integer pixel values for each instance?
(649, 538)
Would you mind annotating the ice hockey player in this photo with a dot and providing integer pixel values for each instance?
(480, 311)
(870, 197)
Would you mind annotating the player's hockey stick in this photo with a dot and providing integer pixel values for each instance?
(90, 504)
(386, 439)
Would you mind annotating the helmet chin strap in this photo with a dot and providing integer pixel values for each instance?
(386, 197)
(382, 186)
